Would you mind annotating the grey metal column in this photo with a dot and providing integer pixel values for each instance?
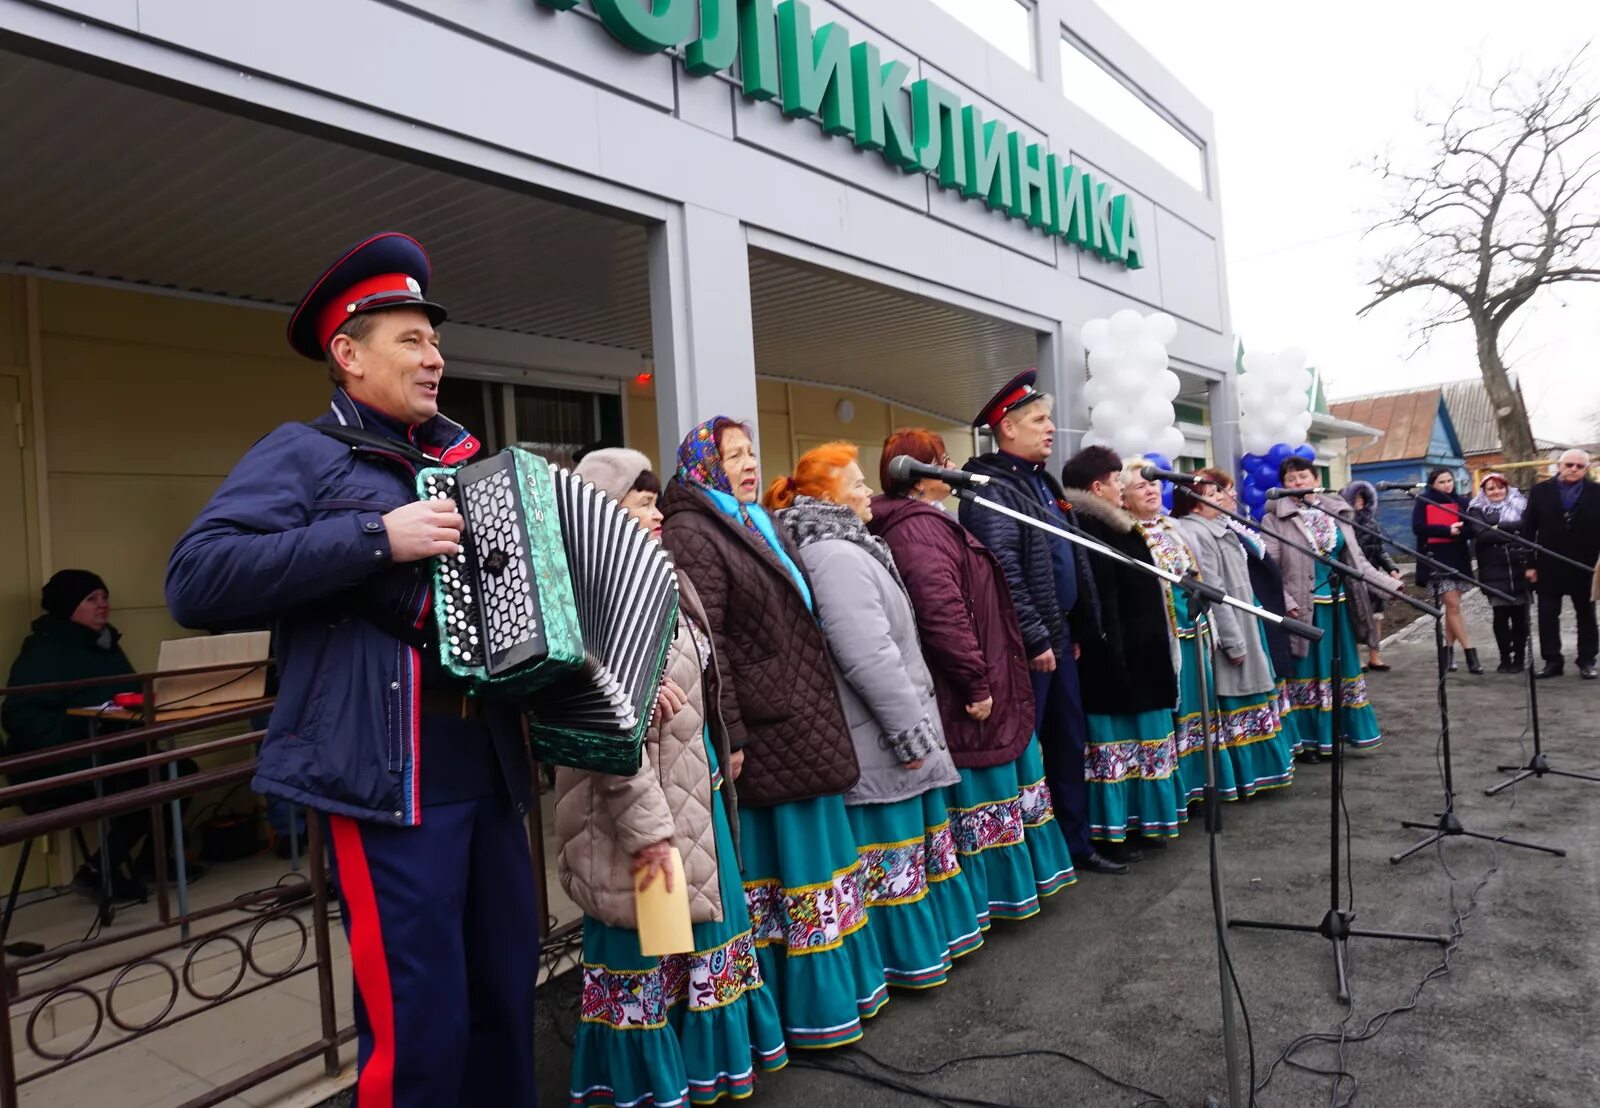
(701, 327)
(1062, 374)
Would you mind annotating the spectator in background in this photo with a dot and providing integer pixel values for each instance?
(1363, 499)
(1497, 511)
(74, 640)
(1564, 514)
(1438, 519)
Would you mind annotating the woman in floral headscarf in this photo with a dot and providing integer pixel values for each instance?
(791, 751)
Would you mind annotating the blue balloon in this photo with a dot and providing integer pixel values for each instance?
(1166, 494)
(1160, 461)
(1265, 473)
(1278, 453)
(1307, 451)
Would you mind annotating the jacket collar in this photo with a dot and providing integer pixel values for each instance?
(681, 496)
(1291, 506)
(1082, 500)
(440, 437)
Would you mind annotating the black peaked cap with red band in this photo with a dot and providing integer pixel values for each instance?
(1019, 392)
(388, 270)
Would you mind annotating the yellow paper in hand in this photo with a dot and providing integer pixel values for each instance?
(664, 926)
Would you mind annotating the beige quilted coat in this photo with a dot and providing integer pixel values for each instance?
(603, 819)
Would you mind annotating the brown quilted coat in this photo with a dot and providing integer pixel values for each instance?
(778, 698)
(602, 820)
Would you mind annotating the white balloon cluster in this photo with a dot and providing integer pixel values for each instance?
(1131, 389)
(1274, 399)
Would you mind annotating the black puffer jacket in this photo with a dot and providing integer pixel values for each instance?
(1502, 562)
(1024, 555)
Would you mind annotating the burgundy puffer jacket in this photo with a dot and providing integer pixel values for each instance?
(777, 695)
(968, 625)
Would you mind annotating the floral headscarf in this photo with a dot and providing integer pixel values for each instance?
(1508, 510)
(700, 463)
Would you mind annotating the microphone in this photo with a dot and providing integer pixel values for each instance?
(1153, 473)
(1279, 494)
(1400, 486)
(903, 467)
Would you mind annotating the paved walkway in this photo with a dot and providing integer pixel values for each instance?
(1122, 971)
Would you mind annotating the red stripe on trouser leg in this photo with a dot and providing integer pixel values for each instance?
(375, 1088)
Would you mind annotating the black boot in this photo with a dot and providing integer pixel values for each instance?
(1473, 665)
(1508, 662)
(1449, 659)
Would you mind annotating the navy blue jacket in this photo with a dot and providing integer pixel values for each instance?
(294, 538)
(1026, 557)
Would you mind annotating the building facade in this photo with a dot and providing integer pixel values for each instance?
(831, 219)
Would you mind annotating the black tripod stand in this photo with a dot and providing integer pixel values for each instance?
(1446, 824)
(1335, 925)
(1539, 764)
(1202, 594)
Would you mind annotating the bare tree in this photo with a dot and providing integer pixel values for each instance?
(1507, 205)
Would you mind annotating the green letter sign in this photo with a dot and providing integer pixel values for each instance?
(664, 26)
(814, 70)
(850, 90)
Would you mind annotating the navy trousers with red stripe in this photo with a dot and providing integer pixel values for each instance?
(443, 927)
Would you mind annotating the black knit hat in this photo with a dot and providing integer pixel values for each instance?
(66, 590)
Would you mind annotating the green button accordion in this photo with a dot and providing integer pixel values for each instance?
(558, 598)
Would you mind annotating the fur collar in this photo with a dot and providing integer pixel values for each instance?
(1082, 500)
(810, 520)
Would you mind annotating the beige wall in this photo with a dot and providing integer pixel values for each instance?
(149, 401)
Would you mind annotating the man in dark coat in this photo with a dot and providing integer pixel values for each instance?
(1564, 515)
(422, 789)
(1050, 588)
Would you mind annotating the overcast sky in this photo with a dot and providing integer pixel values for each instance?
(1303, 93)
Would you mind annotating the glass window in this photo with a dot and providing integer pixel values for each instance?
(1088, 84)
(1007, 25)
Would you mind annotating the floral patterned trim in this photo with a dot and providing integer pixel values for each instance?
(1038, 807)
(1152, 760)
(943, 863)
(894, 873)
(994, 824)
(1316, 692)
(809, 919)
(638, 1000)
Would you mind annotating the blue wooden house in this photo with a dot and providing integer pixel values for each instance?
(1417, 435)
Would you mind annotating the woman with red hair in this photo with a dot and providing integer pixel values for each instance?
(918, 902)
(1012, 850)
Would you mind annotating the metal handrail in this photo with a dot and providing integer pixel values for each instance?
(135, 736)
(129, 678)
(12, 793)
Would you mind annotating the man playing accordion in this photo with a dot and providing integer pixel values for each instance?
(421, 789)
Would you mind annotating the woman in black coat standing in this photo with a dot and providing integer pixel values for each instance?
(1363, 497)
(1439, 521)
(1502, 563)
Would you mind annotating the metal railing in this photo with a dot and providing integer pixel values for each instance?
(300, 909)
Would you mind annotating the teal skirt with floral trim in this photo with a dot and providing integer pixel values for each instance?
(685, 1028)
(892, 840)
(1011, 848)
(804, 883)
(961, 916)
(1310, 687)
(1131, 761)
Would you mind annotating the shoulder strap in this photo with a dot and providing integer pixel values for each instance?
(355, 436)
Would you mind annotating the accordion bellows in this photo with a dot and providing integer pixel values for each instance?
(559, 597)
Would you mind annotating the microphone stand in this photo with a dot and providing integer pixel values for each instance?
(1447, 823)
(1539, 764)
(1335, 923)
(1203, 594)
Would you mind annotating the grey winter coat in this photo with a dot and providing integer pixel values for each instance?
(884, 683)
(1224, 563)
(1299, 571)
